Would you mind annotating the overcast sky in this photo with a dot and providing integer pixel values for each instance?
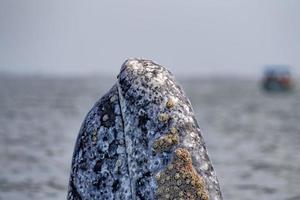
(193, 37)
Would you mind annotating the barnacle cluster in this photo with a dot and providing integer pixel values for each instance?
(180, 180)
(94, 137)
(169, 103)
(166, 142)
(163, 117)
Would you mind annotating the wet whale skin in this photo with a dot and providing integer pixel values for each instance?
(141, 140)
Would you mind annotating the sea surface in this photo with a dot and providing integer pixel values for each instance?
(253, 138)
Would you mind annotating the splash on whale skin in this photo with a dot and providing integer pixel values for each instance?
(141, 141)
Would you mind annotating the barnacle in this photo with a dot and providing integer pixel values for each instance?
(184, 182)
(163, 117)
(94, 137)
(166, 142)
(113, 98)
(105, 117)
(174, 130)
(169, 103)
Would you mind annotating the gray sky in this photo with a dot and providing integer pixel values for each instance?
(193, 37)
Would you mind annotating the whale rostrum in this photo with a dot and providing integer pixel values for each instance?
(141, 141)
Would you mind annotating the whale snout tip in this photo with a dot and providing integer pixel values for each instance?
(144, 69)
(130, 62)
(136, 64)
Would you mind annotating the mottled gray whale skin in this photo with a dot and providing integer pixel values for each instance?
(141, 141)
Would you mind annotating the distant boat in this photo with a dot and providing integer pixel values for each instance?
(277, 79)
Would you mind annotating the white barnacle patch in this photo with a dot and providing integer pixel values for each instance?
(117, 110)
(118, 165)
(104, 145)
(132, 64)
(181, 117)
(186, 108)
(113, 98)
(158, 80)
(188, 141)
(163, 117)
(204, 166)
(195, 136)
(105, 117)
(94, 137)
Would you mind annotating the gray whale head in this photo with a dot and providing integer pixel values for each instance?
(141, 141)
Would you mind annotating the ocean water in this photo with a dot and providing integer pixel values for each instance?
(253, 138)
